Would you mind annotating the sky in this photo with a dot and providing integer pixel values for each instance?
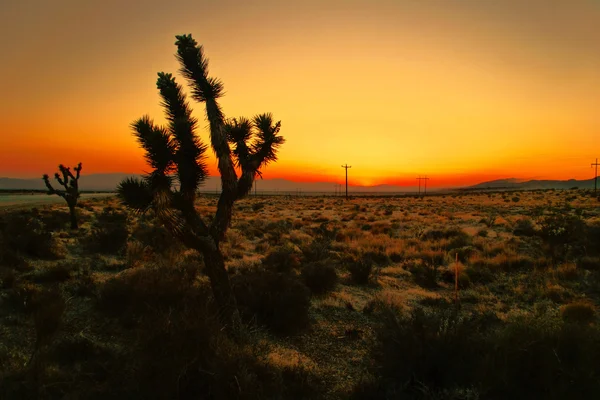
(462, 91)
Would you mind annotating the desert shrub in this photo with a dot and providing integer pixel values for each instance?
(52, 273)
(152, 234)
(317, 250)
(442, 350)
(439, 234)
(436, 257)
(448, 275)
(460, 240)
(579, 311)
(136, 253)
(464, 253)
(567, 272)
(83, 283)
(524, 227)
(275, 230)
(592, 238)
(26, 234)
(7, 277)
(320, 278)
(480, 273)
(508, 263)
(55, 220)
(490, 219)
(437, 349)
(19, 297)
(278, 301)
(91, 356)
(283, 259)
(361, 269)
(544, 358)
(378, 257)
(10, 258)
(175, 348)
(589, 263)
(109, 232)
(563, 233)
(425, 274)
(134, 291)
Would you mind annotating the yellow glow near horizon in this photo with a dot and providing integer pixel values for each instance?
(461, 90)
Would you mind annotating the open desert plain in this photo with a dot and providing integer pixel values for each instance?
(453, 296)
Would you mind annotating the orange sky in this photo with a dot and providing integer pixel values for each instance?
(460, 90)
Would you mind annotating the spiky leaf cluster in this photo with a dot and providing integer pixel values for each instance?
(175, 151)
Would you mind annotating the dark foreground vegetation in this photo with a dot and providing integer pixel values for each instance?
(337, 299)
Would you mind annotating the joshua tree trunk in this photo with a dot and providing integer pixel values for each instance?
(73, 214)
(221, 287)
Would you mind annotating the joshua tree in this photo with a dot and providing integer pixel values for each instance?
(71, 185)
(177, 155)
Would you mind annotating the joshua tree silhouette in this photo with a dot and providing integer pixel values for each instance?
(176, 153)
(71, 185)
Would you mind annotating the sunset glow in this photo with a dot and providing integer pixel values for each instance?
(462, 91)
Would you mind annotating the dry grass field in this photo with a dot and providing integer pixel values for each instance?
(343, 299)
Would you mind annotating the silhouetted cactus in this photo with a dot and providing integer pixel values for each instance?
(71, 185)
(175, 153)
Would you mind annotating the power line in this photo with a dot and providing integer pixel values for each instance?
(423, 178)
(346, 167)
(595, 175)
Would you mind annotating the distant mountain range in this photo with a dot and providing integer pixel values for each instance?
(109, 182)
(516, 184)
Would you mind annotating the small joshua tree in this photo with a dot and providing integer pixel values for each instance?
(71, 185)
(177, 155)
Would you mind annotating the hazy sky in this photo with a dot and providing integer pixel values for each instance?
(461, 90)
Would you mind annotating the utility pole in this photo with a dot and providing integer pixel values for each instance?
(595, 176)
(346, 168)
(426, 179)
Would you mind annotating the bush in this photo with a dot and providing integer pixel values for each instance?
(278, 301)
(360, 270)
(439, 234)
(320, 278)
(563, 233)
(448, 276)
(55, 273)
(283, 259)
(589, 263)
(480, 273)
(109, 232)
(445, 351)
(464, 253)
(175, 348)
(26, 234)
(151, 233)
(580, 312)
(7, 277)
(524, 227)
(425, 274)
(135, 291)
(378, 257)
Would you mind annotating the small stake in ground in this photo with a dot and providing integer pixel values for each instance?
(595, 175)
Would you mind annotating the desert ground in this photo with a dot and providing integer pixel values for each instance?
(455, 296)
(31, 199)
